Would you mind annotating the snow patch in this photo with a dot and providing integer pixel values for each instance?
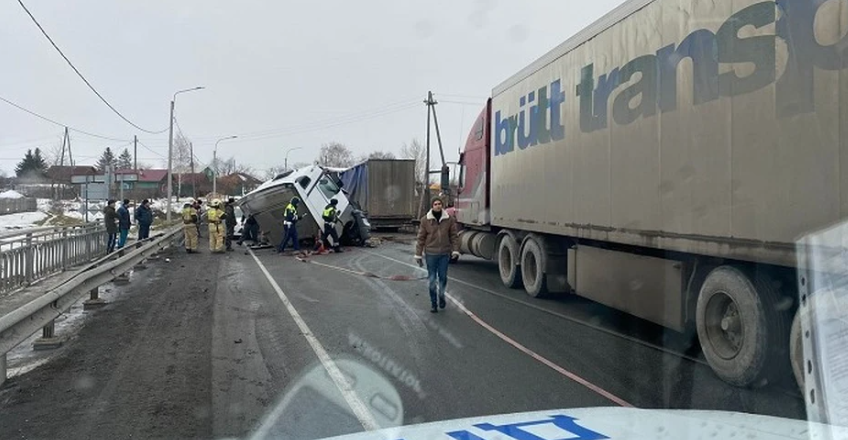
(11, 194)
(21, 220)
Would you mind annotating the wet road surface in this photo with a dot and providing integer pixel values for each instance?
(211, 346)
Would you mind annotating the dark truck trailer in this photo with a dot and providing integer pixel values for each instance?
(384, 189)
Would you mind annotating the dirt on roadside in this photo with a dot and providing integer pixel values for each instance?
(139, 368)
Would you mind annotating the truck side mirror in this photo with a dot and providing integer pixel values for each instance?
(445, 178)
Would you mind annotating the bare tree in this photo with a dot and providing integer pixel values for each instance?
(181, 154)
(274, 171)
(335, 155)
(53, 155)
(381, 155)
(225, 167)
(414, 150)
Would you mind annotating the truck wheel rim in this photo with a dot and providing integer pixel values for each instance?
(530, 266)
(725, 330)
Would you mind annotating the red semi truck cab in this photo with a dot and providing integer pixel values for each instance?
(472, 203)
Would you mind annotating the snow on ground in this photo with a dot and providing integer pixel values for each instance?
(21, 220)
(11, 194)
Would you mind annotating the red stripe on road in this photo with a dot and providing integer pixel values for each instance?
(610, 396)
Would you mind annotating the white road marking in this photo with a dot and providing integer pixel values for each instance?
(360, 410)
(548, 363)
(575, 320)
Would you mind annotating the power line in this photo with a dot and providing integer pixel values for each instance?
(152, 150)
(44, 118)
(325, 122)
(81, 75)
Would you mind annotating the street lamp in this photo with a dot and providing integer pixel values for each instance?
(215, 163)
(286, 163)
(171, 150)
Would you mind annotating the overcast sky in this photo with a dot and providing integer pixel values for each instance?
(281, 74)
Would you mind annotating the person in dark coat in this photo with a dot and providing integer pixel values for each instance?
(251, 230)
(230, 221)
(123, 223)
(144, 217)
(110, 220)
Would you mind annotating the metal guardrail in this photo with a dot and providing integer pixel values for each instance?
(33, 254)
(40, 313)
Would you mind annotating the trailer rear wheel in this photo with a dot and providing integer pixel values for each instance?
(533, 268)
(739, 328)
(508, 258)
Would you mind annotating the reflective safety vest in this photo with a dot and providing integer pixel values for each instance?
(214, 215)
(189, 215)
(290, 213)
(329, 214)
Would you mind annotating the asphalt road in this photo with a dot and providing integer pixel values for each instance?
(212, 346)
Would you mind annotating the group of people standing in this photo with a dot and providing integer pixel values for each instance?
(117, 222)
(221, 219)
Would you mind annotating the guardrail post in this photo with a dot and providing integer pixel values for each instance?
(48, 339)
(65, 250)
(29, 257)
(94, 301)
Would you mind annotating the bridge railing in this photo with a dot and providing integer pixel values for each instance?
(29, 255)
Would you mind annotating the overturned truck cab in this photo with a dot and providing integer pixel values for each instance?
(315, 187)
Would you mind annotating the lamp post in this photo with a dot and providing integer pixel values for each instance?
(286, 163)
(171, 150)
(215, 163)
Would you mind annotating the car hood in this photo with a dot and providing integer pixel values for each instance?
(610, 423)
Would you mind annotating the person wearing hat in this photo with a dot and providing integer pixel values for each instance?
(123, 223)
(230, 221)
(144, 217)
(189, 215)
(216, 232)
(330, 217)
(290, 219)
(438, 244)
(110, 220)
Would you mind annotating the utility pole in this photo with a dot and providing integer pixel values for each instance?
(135, 153)
(64, 145)
(193, 176)
(70, 155)
(425, 190)
(170, 159)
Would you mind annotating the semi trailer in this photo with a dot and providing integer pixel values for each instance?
(663, 162)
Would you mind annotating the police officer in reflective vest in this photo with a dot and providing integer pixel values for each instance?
(331, 216)
(190, 228)
(215, 216)
(290, 226)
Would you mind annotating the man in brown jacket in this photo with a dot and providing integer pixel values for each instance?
(438, 242)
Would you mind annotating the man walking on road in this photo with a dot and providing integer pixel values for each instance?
(190, 228)
(110, 220)
(330, 217)
(144, 217)
(230, 221)
(438, 243)
(123, 223)
(290, 226)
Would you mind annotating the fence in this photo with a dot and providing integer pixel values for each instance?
(12, 206)
(30, 255)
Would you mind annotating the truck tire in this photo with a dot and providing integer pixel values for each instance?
(533, 268)
(508, 261)
(740, 330)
